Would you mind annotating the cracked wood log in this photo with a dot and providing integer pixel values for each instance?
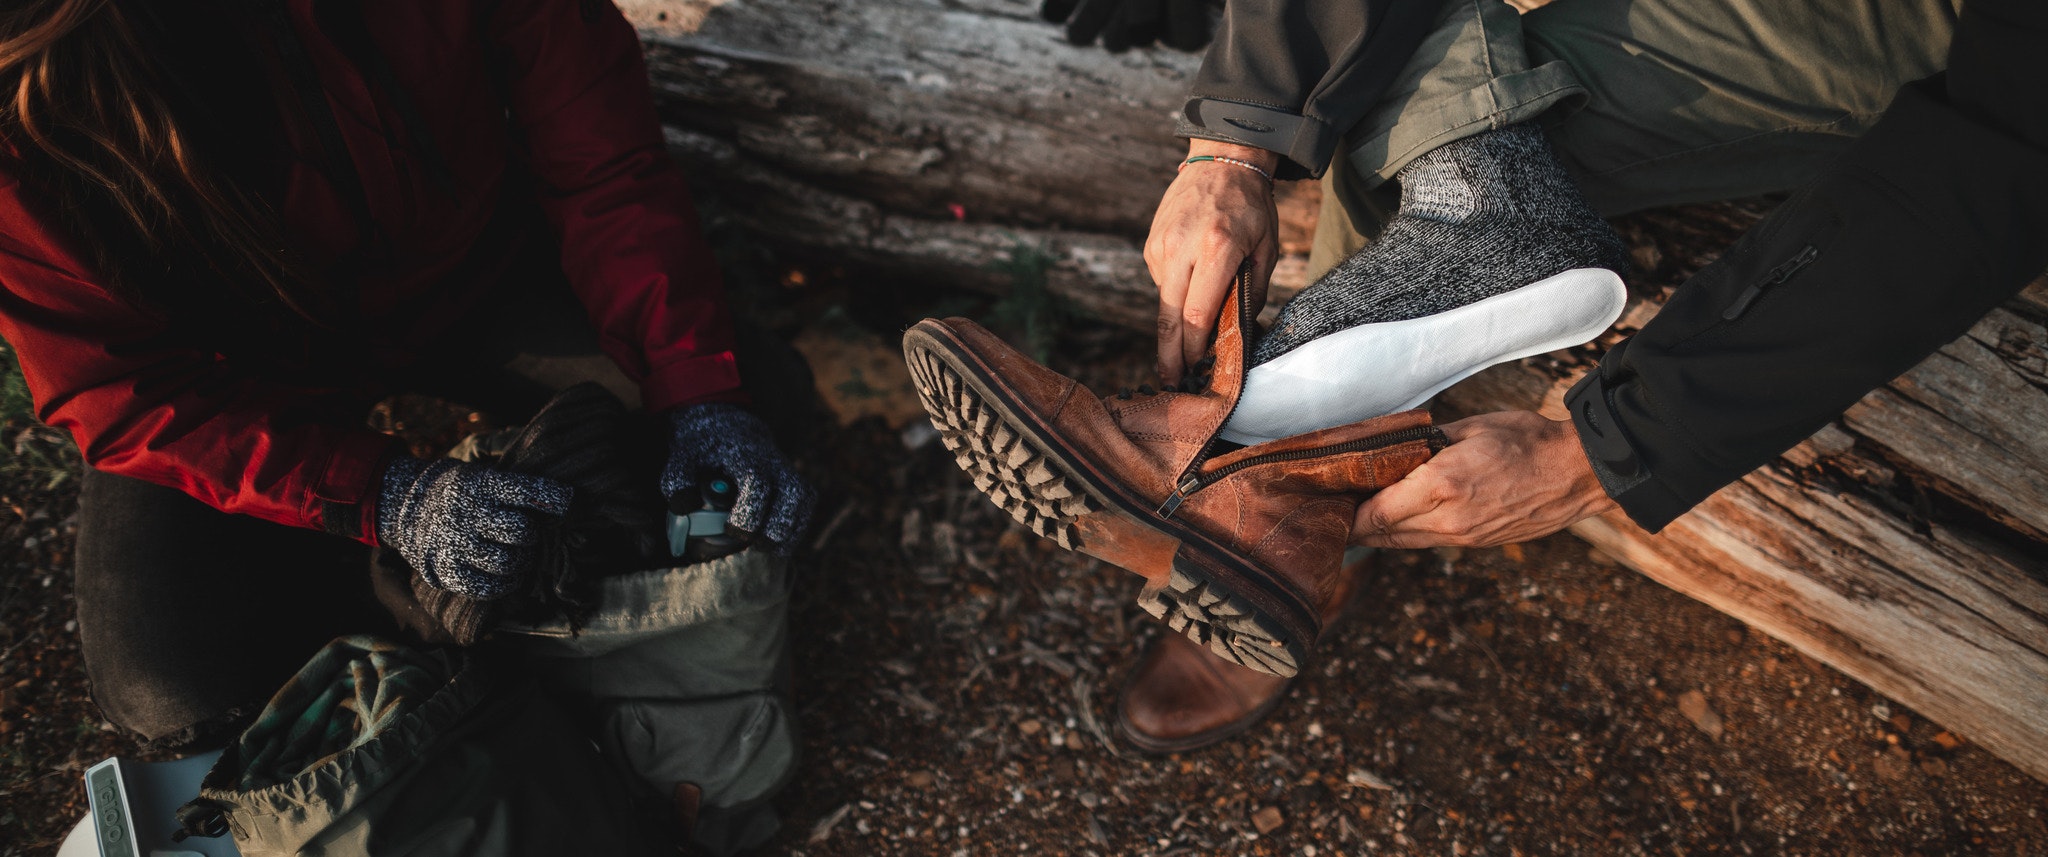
(1902, 544)
(930, 139)
(938, 139)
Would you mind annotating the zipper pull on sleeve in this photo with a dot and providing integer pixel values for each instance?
(1777, 275)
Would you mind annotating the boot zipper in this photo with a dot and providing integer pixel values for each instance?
(1197, 481)
(1777, 275)
(1245, 320)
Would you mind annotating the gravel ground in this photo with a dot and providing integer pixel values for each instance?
(957, 678)
(1535, 699)
(49, 730)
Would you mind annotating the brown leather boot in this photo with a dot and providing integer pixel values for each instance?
(1239, 549)
(1181, 697)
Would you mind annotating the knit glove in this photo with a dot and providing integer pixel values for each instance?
(466, 528)
(772, 500)
(1123, 24)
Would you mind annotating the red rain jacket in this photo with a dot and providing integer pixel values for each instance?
(239, 434)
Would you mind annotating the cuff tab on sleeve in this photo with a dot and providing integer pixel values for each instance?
(1599, 432)
(1301, 139)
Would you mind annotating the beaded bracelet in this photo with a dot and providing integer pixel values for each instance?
(1221, 159)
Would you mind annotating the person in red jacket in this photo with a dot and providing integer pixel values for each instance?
(228, 226)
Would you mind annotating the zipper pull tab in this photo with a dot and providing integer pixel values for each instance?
(1777, 275)
(1180, 495)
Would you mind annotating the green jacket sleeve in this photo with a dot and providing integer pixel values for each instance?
(1935, 217)
(1291, 76)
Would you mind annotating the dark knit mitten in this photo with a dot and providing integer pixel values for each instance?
(1479, 217)
(428, 614)
(586, 439)
(462, 617)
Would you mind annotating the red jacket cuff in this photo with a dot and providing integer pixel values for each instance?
(692, 381)
(345, 500)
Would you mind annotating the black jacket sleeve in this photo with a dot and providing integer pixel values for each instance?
(1291, 76)
(1934, 218)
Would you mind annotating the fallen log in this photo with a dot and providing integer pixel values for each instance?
(1904, 544)
(943, 141)
(1941, 612)
(919, 106)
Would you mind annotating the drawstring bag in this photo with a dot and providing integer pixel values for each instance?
(378, 748)
(680, 674)
(677, 670)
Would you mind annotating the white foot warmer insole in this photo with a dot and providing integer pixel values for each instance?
(1377, 369)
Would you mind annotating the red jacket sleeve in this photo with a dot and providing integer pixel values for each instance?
(631, 243)
(141, 404)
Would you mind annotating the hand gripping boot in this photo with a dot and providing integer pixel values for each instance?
(1240, 550)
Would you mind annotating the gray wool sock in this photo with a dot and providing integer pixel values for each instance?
(1478, 217)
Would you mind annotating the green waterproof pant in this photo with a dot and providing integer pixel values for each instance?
(1657, 102)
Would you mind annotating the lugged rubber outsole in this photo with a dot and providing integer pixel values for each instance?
(1013, 472)
(1214, 617)
(1033, 484)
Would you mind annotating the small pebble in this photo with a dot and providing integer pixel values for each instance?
(1362, 777)
(1693, 704)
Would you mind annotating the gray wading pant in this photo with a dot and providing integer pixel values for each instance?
(1658, 102)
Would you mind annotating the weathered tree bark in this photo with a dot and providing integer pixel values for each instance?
(1842, 547)
(935, 140)
(921, 105)
(946, 139)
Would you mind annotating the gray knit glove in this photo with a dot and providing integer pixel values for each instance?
(466, 528)
(773, 501)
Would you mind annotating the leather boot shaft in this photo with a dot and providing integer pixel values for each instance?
(1239, 547)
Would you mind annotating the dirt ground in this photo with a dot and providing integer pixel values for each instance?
(1536, 699)
(957, 679)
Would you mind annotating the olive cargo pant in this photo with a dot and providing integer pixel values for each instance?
(1658, 102)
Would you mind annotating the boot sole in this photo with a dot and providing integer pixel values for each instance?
(1046, 486)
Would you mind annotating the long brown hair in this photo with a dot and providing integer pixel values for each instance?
(87, 104)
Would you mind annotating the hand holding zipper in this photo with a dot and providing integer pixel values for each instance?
(1509, 476)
